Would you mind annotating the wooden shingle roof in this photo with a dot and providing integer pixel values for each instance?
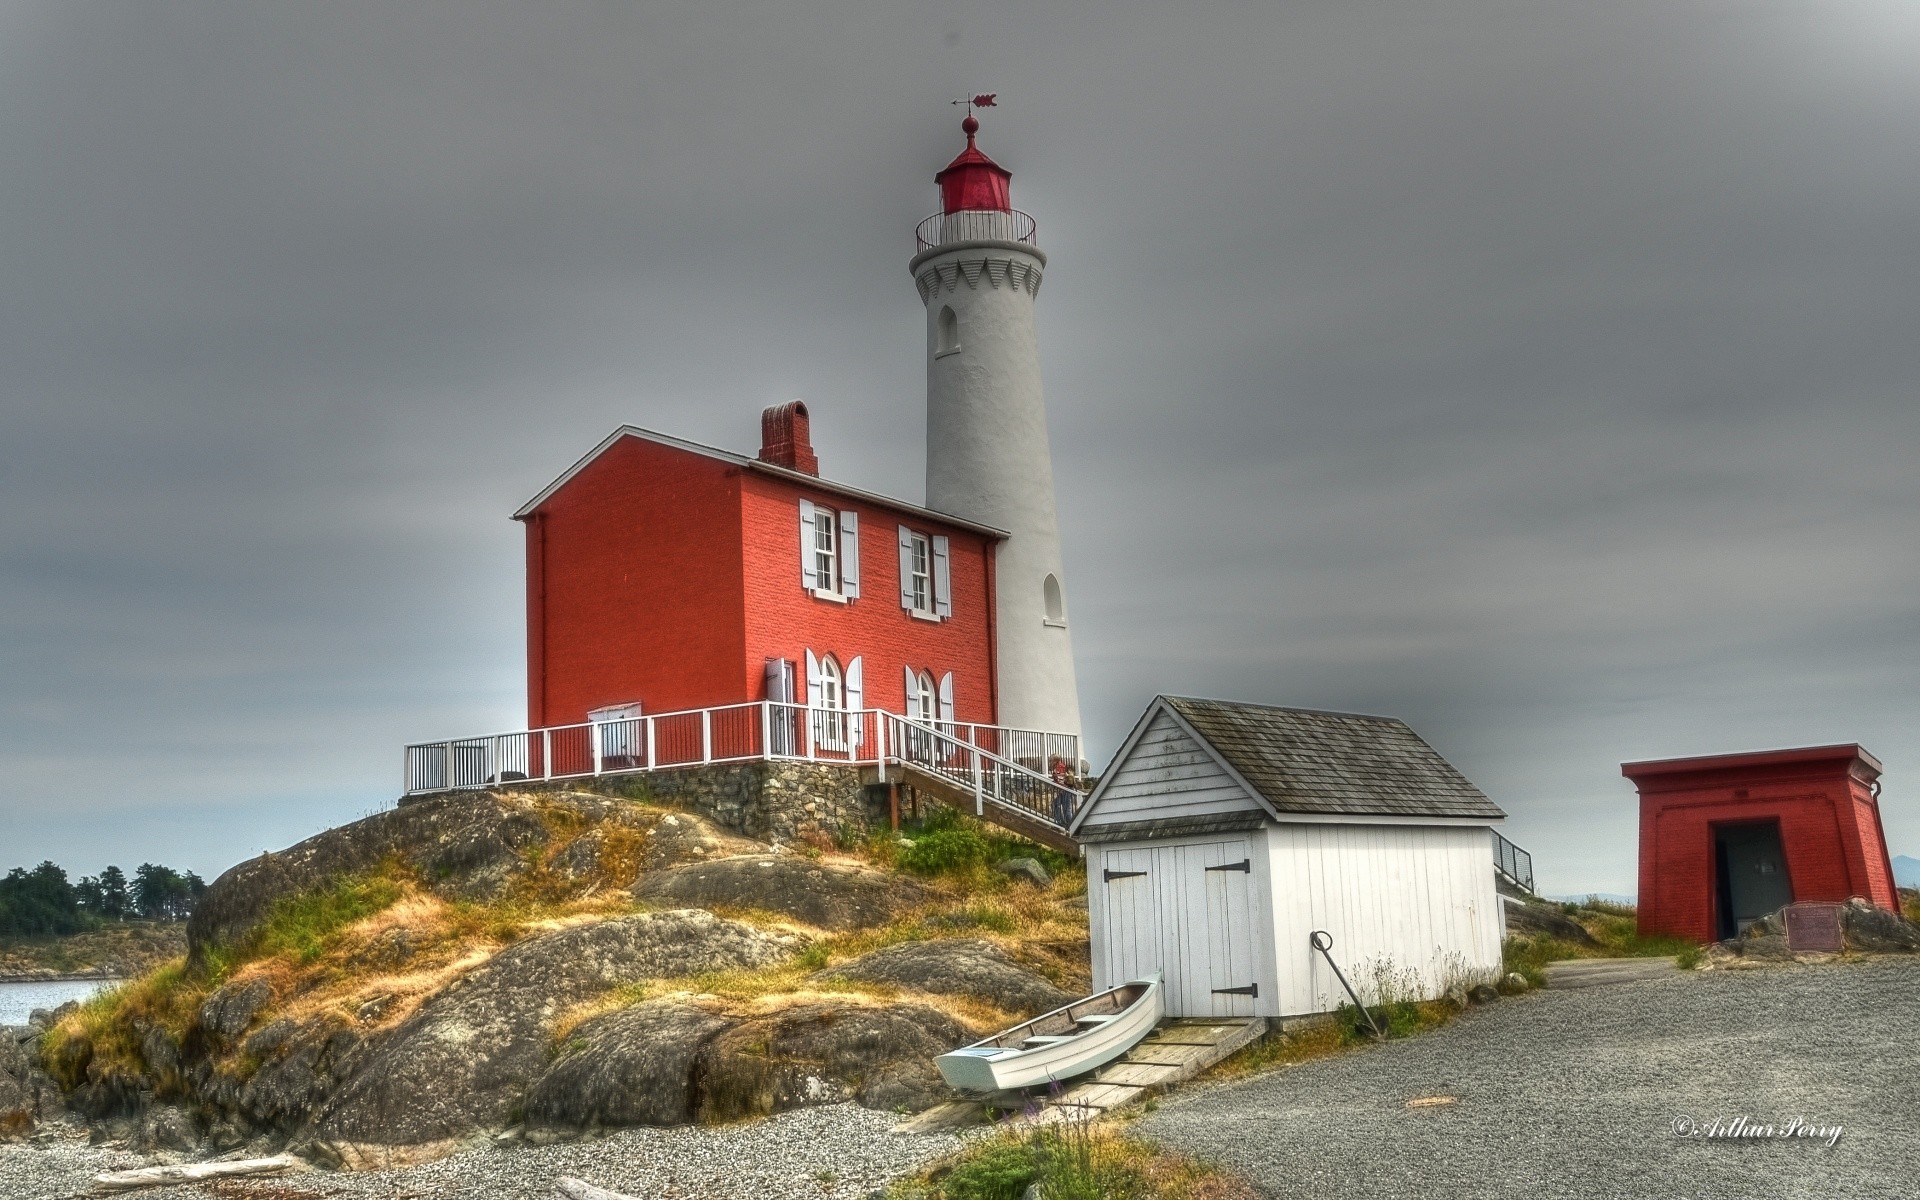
(1305, 761)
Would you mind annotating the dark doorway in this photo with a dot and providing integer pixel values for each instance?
(1750, 875)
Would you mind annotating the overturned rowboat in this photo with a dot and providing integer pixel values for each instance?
(1068, 1041)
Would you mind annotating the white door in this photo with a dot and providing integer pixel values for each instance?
(1186, 911)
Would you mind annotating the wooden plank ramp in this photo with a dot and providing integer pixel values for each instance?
(1173, 1053)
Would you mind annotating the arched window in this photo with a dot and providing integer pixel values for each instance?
(924, 705)
(829, 717)
(1056, 607)
(946, 337)
(833, 684)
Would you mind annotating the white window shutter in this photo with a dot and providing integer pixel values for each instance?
(856, 697)
(906, 567)
(850, 555)
(942, 580)
(813, 681)
(946, 697)
(913, 690)
(806, 545)
(779, 680)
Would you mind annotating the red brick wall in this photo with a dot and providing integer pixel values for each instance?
(783, 620)
(1829, 829)
(634, 586)
(666, 577)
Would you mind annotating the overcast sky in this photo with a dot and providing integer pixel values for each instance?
(1542, 373)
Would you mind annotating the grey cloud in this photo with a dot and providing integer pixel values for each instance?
(1543, 374)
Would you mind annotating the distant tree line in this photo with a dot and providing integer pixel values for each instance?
(42, 901)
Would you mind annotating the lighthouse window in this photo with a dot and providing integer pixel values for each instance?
(946, 338)
(1056, 607)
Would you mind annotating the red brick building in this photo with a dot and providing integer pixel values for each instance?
(668, 575)
(1731, 837)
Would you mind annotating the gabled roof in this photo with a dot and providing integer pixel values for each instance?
(1304, 761)
(812, 482)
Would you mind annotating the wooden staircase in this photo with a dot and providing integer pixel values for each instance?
(1014, 818)
(931, 761)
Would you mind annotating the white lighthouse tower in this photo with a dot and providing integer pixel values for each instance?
(978, 270)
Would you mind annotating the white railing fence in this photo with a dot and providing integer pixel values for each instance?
(1050, 794)
(1028, 769)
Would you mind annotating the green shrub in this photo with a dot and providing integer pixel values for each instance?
(945, 851)
(302, 925)
(999, 1170)
(947, 842)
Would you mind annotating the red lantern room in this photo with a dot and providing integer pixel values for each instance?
(973, 182)
(1729, 838)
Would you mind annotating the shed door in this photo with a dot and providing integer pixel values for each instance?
(1185, 911)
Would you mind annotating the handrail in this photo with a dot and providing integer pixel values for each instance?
(1046, 797)
(975, 225)
(1322, 941)
(757, 730)
(1513, 862)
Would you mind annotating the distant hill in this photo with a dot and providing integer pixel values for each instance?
(1614, 897)
(1906, 871)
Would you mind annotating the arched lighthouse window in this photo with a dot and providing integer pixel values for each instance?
(946, 337)
(1056, 607)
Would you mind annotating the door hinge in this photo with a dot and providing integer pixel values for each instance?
(1245, 864)
(1110, 876)
(1252, 989)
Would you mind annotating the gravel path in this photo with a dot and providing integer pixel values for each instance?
(1576, 1094)
(837, 1151)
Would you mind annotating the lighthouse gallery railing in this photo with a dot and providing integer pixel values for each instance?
(976, 225)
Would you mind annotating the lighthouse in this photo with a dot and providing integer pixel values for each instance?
(978, 269)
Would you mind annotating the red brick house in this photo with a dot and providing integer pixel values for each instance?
(663, 575)
(1731, 837)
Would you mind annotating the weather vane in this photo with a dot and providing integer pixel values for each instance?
(983, 100)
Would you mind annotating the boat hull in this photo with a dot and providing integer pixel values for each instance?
(984, 1067)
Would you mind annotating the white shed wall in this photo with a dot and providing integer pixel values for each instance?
(1167, 774)
(1398, 898)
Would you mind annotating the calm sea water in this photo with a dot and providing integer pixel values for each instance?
(17, 1000)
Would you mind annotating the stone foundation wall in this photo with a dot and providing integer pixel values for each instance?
(771, 801)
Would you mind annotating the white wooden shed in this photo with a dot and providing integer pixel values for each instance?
(1223, 835)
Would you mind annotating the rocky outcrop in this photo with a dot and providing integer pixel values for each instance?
(1546, 920)
(1864, 929)
(829, 895)
(1877, 931)
(631, 1067)
(681, 838)
(232, 1010)
(465, 845)
(824, 1052)
(465, 1060)
(955, 967)
(468, 846)
(673, 1060)
(27, 1095)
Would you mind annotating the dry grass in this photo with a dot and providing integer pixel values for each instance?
(133, 947)
(1076, 1161)
(1616, 932)
(1034, 925)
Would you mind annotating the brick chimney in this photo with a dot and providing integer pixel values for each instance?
(786, 440)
